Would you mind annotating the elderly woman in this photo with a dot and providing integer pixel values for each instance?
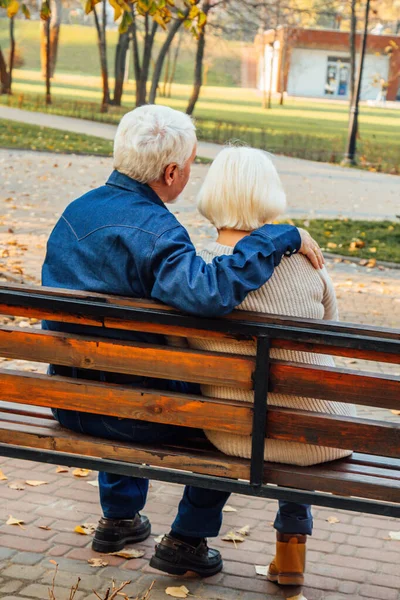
(241, 192)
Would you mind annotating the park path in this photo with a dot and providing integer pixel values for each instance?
(349, 557)
(313, 189)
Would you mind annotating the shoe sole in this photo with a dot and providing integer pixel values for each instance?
(105, 547)
(167, 567)
(286, 578)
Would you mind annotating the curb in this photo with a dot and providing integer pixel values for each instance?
(380, 263)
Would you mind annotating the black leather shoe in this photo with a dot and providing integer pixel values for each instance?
(113, 535)
(176, 558)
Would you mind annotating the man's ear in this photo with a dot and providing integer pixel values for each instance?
(170, 173)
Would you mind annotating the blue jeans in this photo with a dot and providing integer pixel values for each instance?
(200, 510)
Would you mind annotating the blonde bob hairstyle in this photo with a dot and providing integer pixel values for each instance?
(242, 190)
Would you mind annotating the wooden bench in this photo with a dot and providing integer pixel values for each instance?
(368, 481)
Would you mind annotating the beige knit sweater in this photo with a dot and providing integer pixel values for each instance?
(295, 289)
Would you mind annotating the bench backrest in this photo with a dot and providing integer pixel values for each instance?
(258, 373)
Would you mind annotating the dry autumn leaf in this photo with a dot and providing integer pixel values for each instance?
(158, 539)
(35, 483)
(177, 592)
(45, 527)
(244, 530)
(16, 485)
(2, 476)
(394, 535)
(62, 470)
(128, 553)
(12, 521)
(298, 597)
(86, 528)
(229, 509)
(395, 412)
(261, 570)
(94, 483)
(81, 472)
(97, 562)
(333, 520)
(231, 536)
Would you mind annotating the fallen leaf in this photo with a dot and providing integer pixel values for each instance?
(177, 592)
(45, 527)
(371, 263)
(231, 536)
(372, 250)
(2, 476)
(395, 412)
(53, 562)
(94, 483)
(394, 535)
(34, 483)
(12, 521)
(356, 244)
(81, 472)
(331, 245)
(333, 520)
(62, 470)
(244, 530)
(16, 486)
(86, 528)
(229, 509)
(128, 553)
(261, 570)
(298, 597)
(97, 562)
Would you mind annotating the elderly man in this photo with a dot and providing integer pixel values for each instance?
(122, 239)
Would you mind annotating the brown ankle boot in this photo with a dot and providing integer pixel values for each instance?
(288, 566)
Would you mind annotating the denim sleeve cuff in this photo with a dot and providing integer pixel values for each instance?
(286, 238)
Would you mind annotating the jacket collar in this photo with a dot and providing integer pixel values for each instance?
(124, 182)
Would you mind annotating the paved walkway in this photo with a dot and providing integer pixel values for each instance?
(348, 559)
(313, 189)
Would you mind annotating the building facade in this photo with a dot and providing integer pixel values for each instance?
(316, 63)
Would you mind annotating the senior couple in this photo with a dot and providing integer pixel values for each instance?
(122, 239)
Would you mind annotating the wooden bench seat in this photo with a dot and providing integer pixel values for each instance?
(368, 481)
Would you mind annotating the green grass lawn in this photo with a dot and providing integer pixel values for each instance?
(367, 240)
(78, 52)
(33, 137)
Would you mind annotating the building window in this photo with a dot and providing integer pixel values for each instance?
(337, 76)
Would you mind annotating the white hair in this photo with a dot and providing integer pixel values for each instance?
(150, 138)
(242, 190)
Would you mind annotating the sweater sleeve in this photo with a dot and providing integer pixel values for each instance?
(331, 312)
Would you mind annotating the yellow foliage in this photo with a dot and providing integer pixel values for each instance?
(12, 8)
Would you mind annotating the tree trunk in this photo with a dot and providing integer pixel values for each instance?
(120, 65)
(283, 67)
(48, 63)
(198, 68)
(166, 74)
(3, 74)
(136, 57)
(161, 57)
(103, 59)
(141, 84)
(353, 29)
(12, 55)
(174, 63)
(55, 24)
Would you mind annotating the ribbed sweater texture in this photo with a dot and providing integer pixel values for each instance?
(296, 289)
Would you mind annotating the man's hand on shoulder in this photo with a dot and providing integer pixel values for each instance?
(310, 248)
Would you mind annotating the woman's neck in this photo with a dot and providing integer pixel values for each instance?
(230, 237)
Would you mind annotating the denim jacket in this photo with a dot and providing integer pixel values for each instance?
(121, 239)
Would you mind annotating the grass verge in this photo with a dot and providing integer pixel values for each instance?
(33, 137)
(367, 240)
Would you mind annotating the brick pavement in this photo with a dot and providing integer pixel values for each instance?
(349, 559)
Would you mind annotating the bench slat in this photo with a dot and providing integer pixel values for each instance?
(321, 478)
(334, 431)
(186, 332)
(126, 357)
(331, 383)
(128, 402)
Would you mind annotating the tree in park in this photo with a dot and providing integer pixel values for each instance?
(6, 71)
(50, 28)
(147, 17)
